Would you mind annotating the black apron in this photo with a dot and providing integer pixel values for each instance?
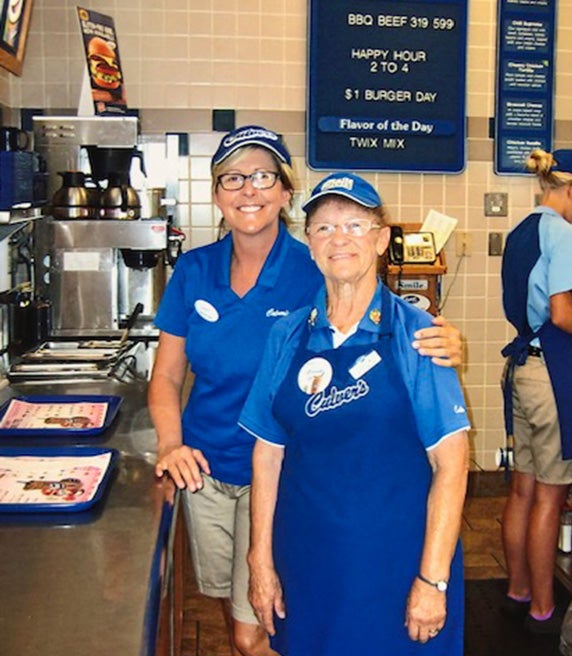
(521, 254)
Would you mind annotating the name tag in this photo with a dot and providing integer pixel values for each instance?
(364, 363)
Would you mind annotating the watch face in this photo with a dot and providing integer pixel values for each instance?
(442, 586)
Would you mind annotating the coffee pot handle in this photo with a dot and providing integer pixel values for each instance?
(124, 198)
(139, 155)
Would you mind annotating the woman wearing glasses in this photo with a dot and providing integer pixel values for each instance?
(216, 313)
(360, 464)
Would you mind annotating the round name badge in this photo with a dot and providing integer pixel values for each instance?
(207, 311)
(315, 375)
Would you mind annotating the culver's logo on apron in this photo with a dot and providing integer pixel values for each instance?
(314, 377)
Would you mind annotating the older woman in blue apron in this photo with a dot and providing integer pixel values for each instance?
(359, 469)
(537, 298)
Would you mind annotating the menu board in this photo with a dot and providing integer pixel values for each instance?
(525, 81)
(386, 83)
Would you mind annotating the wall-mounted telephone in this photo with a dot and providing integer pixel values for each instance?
(396, 245)
(411, 247)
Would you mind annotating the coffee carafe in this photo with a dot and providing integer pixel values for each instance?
(74, 199)
(119, 200)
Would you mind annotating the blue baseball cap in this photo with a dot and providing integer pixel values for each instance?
(562, 161)
(251, 135)
(347, 185)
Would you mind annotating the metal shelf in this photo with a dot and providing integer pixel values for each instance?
(13, 220)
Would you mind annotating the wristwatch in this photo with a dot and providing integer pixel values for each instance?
(440, 585)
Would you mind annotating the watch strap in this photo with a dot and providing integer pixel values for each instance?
(441, 585)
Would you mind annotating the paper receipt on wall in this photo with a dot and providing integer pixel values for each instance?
(440, 225)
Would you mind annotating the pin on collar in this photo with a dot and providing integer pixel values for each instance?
(313, 316)
(375, 316)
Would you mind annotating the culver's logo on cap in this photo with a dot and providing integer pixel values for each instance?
(251, 135)
(338, 183)
(247, 135)
(347, 185)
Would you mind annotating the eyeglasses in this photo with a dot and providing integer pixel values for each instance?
(259, 180)
(351, 227)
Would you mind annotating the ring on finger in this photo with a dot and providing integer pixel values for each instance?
(433, 633)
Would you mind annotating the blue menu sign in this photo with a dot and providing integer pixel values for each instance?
(525, 81)
(386, 85)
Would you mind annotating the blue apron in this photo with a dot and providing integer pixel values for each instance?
(521, 254)
(350, 519)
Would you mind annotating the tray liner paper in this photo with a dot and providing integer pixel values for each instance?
(38, 480)
(25, 415)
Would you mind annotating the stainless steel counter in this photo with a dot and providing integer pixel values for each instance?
(87, 583)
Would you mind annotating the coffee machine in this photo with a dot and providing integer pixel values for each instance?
(91, 286)
(96, 265)
(93, 144)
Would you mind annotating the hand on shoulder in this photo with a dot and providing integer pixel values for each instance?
(442, 342)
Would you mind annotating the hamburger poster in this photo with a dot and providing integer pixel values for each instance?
(103, 62)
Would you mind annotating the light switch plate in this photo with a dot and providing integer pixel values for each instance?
(495, 243)
(496, 204)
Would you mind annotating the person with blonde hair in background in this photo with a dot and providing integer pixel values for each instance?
(537, 299)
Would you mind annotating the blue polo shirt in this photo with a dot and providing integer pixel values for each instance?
(552, 273)
(225, 337)
(435, 392)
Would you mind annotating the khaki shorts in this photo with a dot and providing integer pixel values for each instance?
(537, 447)
(218, 523)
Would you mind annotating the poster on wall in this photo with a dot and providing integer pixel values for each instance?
(524, 116)
(103, 62)
(14, 25)
(387, 85)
